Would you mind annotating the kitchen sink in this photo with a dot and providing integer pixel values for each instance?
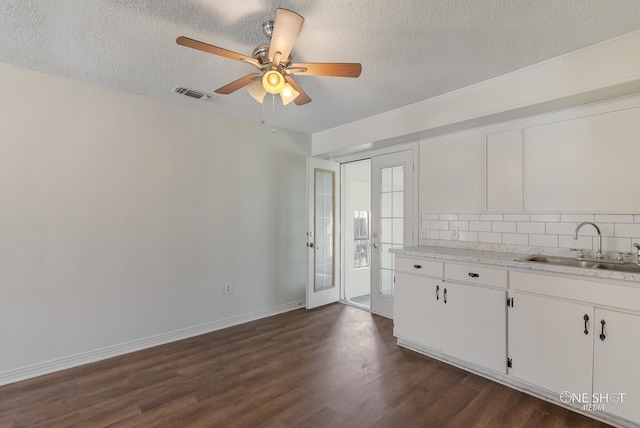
(561, 261)
(626, 267)
(589, 264)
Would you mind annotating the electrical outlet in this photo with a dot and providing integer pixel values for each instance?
(455, 233)
(228, 288)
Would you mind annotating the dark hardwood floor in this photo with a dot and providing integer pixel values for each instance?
(333, 366)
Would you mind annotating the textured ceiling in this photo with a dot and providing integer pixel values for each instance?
(409, 50)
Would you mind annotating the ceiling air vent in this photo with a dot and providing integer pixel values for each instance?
(192, 93)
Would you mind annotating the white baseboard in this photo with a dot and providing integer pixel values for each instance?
(70, 361)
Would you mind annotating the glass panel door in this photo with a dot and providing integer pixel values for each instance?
(322, 209)
(392, 222)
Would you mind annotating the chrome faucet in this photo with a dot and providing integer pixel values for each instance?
(599, 255)
(637, 248)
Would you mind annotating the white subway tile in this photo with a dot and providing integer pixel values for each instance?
(491, 217)
(614, 218)
(545, 217)
(543, 240)
(503, 226)
(490, 237)
(531, 227)
(637, 218)
(469, 217)
(627, 230)
(516, 217)
(461, 225)
(480, 226)
(433, 234)
(578, 218)
(439, 225)
(561, 228)
(430, 217)
(445, 235)
(468, 236)
(617, 244)
(515, 238)
(448, 216)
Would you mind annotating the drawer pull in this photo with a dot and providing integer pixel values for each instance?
(437, 292)
(417, 266)
(474, 275)
(445, 296)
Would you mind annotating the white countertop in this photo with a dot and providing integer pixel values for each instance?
(510, 260)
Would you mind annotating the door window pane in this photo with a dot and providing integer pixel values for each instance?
(391, 222)
(360, 239)
(324, 185)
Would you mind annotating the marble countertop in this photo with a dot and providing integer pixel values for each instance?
(509, 260)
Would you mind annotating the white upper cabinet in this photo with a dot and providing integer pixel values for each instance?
(451, 173)
(588, 164)
(504, 171)
(582, 160)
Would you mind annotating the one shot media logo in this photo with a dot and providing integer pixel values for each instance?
(592, 401)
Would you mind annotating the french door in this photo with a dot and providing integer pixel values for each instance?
(323, 207)
(392, 222)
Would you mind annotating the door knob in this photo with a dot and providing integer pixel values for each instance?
(375, 245)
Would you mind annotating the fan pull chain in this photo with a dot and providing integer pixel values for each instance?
(262, 117)
(273, 112)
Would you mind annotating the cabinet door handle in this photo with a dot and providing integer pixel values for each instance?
(602, 336)
(474, 275)
(444, 295)
(586, 319)
(417, 266)
(437, 292)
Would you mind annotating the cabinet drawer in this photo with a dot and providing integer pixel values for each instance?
(418, 266)
(476, 274)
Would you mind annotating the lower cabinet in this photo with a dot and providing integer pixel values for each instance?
(465, 321)
(548, 345)
(474, 325)
(616, 353)
(583, 353)
(417, 312)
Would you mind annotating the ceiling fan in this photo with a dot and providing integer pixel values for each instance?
(274, 62)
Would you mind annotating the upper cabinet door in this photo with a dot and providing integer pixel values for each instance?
(451, 173)
(504, 171)
(589, 164)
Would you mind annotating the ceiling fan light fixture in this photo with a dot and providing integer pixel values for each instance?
(257, 91)
(288, 94)
(273, 81)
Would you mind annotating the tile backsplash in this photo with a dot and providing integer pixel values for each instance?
(544, 233)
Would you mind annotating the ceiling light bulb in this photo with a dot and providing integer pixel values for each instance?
(288, 94)
(273, 81)
(257, 91)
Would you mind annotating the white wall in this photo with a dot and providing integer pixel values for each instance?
(121, 217)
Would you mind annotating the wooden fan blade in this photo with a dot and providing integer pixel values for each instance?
(301, 99)
(286, 28)
(237, 84)
(336, 69)
(205, 47)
